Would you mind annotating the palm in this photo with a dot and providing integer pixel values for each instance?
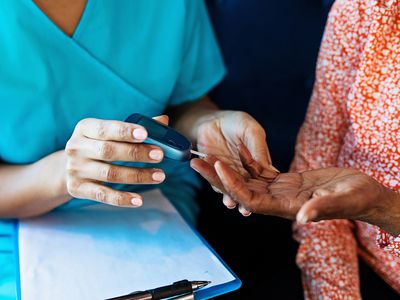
(289, 191)
(294, 189)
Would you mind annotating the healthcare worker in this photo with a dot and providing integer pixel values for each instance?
(71, 72)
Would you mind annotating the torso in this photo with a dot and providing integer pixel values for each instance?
(64, 13)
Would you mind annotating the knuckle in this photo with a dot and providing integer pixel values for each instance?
(110, 173)
(70, 148)
(72, 173)
(100, 130)
(82, 123)
(73, 187)
(106, 151)
(124, 131)
(117, 199)
(100, 195)
(70, 165)
(134, 153)
(136, 176)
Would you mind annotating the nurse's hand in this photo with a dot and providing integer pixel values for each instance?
(219, 137)
(91, 151)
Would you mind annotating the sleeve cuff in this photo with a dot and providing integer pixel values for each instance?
(388, 243)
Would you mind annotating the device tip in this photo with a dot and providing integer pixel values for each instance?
(199, 284)
(199, 154)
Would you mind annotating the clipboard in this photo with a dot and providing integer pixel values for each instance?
(100, 252)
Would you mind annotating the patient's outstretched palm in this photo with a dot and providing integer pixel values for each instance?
(336, 192)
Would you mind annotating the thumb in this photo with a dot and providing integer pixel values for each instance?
(256, 142)
(324, 207)
(164, 119)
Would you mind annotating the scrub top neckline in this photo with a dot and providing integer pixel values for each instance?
(79, 26)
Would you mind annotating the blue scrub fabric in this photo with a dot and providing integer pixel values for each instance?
(124, 57)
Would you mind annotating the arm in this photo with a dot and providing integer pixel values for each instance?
(81, 170)
(28, 190)
(187, 117)
(318, 146)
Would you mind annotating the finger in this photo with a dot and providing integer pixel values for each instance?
(322, 208)
(97, 192)
(236, 188)
(234, 185)
(207, 171)
(228, 202)
(117, 151)
(112, 130)
(255, 141)
(100, 171)
(244, 211)
(255, 169)
(164, 119)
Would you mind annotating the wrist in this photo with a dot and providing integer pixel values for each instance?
(389, 212)
(54, 166)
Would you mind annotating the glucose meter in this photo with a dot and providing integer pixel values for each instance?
(174, 144)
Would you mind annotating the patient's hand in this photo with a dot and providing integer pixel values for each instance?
(219, 134)
(331, 193)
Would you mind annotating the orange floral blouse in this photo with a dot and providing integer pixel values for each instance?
(353, 120)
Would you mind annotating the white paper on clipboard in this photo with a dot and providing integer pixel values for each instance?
(101, 251)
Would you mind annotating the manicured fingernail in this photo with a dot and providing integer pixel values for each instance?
(158, 176)
(140, 134)
(137, 201)
(156, 154)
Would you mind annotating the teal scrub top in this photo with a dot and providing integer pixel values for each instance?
(125, 56)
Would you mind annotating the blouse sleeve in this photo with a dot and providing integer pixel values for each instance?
(388, 242)
(327, 254)
(202, 66)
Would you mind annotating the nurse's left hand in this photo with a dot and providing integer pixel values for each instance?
(219, 136)
(90, 152)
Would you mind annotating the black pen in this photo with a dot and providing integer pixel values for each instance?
(177, 288)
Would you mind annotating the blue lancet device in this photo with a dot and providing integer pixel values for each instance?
(174, 144)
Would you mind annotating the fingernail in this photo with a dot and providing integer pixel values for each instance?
(140, 134)
(246, 214)
(156, 154)
(275, 169)
(301, 218)
(158, 176)
(137, 201)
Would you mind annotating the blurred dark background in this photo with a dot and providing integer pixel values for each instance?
(270, 50)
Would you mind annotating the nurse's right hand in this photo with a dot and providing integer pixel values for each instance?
(92, 148)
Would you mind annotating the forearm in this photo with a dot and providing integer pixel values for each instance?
(34, 189)
(188, 117)
(387, 215)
